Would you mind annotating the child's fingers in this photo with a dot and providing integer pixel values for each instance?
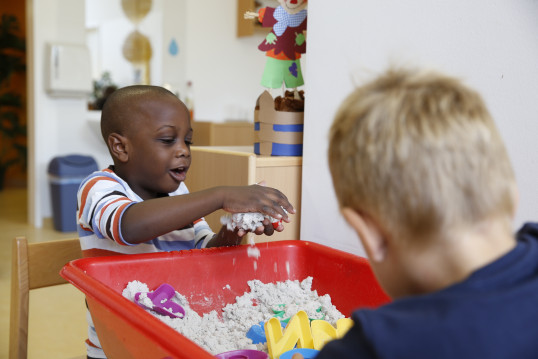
(269, 230)
(269, 201)
(290, 209)
(279, 201)
(281, 211)
(266, 229)
(283, 205)
(273, 212)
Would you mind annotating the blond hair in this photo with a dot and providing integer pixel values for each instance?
(420, 153)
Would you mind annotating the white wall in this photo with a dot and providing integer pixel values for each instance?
(58, 125)
(491, 44)
(174, 67)
(226, 71)
(108, 27)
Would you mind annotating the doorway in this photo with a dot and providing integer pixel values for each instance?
(13, 95)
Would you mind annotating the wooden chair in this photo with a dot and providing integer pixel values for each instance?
(34, 265)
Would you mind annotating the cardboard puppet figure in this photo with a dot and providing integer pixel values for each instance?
(285, 43)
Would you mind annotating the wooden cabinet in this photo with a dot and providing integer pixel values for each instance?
(239, 166)
(233, 133)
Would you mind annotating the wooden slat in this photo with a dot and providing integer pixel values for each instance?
(34, 265)
(48, 258)
(18, 324)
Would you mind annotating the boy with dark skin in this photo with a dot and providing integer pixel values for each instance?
(140, 204)
(150, 145)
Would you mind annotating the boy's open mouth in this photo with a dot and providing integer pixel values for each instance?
(179, 173)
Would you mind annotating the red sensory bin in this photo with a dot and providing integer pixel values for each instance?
(128, 331)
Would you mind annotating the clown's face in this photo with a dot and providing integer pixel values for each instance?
(292, 6)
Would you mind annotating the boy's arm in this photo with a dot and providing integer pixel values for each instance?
(224, 238)
(151, 218)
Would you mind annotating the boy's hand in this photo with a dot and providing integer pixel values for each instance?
(256, 198)
(226, 237)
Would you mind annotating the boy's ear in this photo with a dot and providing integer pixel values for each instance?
(118, 147)
(369, 233)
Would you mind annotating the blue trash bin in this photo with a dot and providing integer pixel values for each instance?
(65, 176)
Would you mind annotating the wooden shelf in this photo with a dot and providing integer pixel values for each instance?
(232, 133)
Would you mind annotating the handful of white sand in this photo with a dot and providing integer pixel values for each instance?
(247, 221)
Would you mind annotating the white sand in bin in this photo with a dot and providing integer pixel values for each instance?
(218, 335)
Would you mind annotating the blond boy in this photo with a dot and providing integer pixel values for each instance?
(422, 176)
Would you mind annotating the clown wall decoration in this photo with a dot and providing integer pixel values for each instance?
(285, 43)
(278, 123)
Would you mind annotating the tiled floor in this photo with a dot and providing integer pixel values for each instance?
(57, 314)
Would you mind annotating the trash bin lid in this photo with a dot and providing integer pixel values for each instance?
(72, 165)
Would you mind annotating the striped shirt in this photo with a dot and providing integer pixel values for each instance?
(103, 198)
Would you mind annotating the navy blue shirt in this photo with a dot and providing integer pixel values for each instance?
(491, 314)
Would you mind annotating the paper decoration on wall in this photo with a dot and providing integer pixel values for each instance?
(173, 49)
(278, 129)
(285, 43)
(137, 47)
(136, 10)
